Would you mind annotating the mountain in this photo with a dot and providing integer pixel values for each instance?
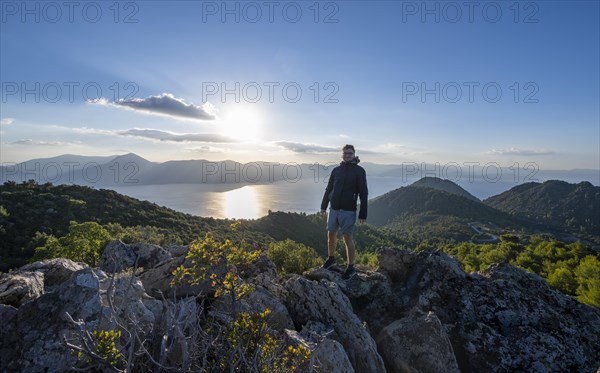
(420, 213)
(444, 185)
(118, 170)
(574, 208)
(411, 200)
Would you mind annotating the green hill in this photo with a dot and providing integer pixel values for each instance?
(574, 208)
(422, 214)
(444, 185)
(29, 207)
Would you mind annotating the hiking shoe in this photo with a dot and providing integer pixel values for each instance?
(330, 262)
(349, 273)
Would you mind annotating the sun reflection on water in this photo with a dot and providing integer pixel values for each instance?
(241, 203)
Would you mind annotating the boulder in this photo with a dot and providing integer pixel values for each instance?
(41, 324)
(118, 256)
(324, 301)
(417, 343)
(19, 287)
(55, 271)
(367, 285)
(157, 281)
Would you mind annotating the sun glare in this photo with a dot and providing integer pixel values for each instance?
(242, 122)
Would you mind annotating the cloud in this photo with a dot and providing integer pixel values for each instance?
(153, 134)
(95, 131)
(207, 149)
(314, 148)
(7, 121)
(522, 152)
(165, 104)
(307, 148)
(40, 143)
(174, 137)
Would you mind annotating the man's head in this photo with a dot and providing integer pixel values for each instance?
(348, 152)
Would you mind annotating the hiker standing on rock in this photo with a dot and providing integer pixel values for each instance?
(346, 183)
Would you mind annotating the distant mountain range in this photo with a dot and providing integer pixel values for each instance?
(131, 169)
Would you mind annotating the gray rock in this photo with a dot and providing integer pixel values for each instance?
(260, 299)
(41, 324)
(157, 281)
(19, 287)
(257, 301)
(130, 300)
(118, 256)
(324, 301)
(9, 341)
(497, 320)
(329, 354)
(367, 285)
(176, 250)
(56, 271)
(417, 343)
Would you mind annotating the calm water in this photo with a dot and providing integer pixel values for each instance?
(248, 201)
(254, 201)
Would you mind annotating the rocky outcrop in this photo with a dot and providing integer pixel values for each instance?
(417, 343)
(19, 288)
(418, 312)
(324, 301)
(55, 271)
(500, 319)
(41, 325)
(328, 354)
(118, 256)
(33, 280)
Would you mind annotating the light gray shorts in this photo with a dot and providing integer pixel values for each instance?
(342, 219)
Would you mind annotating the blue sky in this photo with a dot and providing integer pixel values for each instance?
(371, 60)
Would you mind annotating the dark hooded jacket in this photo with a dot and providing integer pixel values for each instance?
(346, 183)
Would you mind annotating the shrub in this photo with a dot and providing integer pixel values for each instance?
(293, 257)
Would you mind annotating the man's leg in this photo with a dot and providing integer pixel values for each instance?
(331, 242)
(349, 248)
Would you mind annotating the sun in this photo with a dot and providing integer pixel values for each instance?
(242, 122)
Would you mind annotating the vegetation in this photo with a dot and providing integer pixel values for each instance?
(293, 257)
(83, 243)
(555, 203)
(31, 212)
(571, 268)
(249, 344)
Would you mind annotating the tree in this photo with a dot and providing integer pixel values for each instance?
(83, 243)
(588, 277)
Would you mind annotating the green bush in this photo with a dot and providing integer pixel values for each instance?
(568, 267)
(292, 257)
(83, 243)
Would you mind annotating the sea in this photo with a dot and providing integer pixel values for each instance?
(252, 201)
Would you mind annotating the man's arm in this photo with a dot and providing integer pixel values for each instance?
(328, 189)
(363, 193)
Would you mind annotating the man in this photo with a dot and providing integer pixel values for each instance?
(346, 182)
